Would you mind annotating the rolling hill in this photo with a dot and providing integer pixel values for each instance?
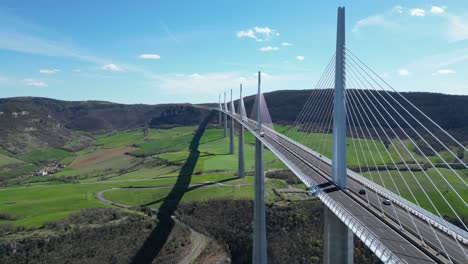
(31, 123)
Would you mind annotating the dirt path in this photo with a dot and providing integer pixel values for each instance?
(197, 249)
(198, 238)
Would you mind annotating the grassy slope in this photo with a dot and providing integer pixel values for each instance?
(359, 150)
(39, 204)
(232, 189)
(7, 160)
(46, 155)
(50, 200)
(423, 179)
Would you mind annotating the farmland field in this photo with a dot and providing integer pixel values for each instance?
(125, 160)
(7, 160)
(99, 156)
(139, 168)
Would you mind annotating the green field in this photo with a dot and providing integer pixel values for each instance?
(388, 180)
(41, 203)
(232, 189)
(163, 153)
(7, 160)
(156, 165)
(46, 155)
(359, 151)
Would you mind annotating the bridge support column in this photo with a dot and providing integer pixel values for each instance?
(259, 239)
(337, 240)
(241, 158)
(225, 116)
(231, 132)
(339, 110)
(220, 121)
(241, 161)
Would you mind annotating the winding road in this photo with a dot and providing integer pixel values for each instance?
(198, 238)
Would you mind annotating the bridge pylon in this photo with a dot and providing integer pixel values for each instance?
(231, 128)
(225, 116)
(338, 239)
(241, 158)
(220, 121)
(259, 238)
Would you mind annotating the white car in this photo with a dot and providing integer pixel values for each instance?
(262, 134)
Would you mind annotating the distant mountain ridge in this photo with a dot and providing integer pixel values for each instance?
(31, 123)
(449, 111)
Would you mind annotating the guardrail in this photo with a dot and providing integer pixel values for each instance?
(438, 222)
(359, 229)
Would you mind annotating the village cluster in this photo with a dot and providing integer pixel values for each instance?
(51, 168)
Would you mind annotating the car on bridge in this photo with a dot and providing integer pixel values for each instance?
(362, 191)
(387, 202)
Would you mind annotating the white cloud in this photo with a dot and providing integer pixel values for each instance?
(111, 67)
(437, 10)
(246, 33)
(398, 9)
(454, 27)
(195, 76)
(213, 82)
(260, 34)
(418, 12)
(33, 82)
(286, 44)
(444, 72)
(268, 48)
(403, 72)
(26, 43)
(150, 56)
(300, 58)
(76, 70)
(49, 71)
(375, 20)
(457, 28)
(439, 61)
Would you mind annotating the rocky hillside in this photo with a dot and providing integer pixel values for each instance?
(28, 123)
(449, 111)
(31, 123)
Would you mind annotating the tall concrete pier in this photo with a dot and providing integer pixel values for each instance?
(259, 238)
(220, 121)
(225, 116)
(338, 239)
(231, 128)
(241, 158)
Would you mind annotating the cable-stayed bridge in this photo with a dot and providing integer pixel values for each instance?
(386, 172)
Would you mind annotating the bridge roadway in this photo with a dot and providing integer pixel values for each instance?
(405, 244)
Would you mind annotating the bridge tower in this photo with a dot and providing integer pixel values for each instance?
(241, 159)
(231, 132)
(225, 116)
(259, 238)
(338, 239)
(220, 121)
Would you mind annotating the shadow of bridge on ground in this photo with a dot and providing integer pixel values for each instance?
(158, 237)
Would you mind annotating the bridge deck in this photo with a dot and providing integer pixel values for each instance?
(402, 244)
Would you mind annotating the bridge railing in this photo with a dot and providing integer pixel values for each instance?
(440, 223)
(359, 229)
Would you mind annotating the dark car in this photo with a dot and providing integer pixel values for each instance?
(362, 191)
(387, 202)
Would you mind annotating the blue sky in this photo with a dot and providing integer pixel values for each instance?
(189, 51)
